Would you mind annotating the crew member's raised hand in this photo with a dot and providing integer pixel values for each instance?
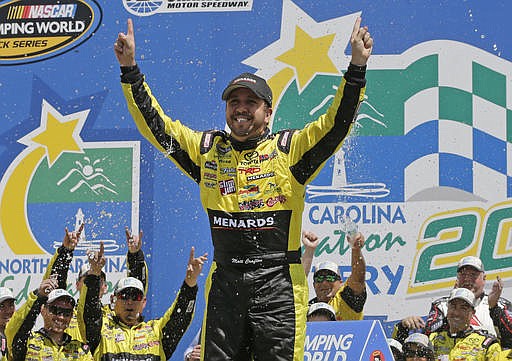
(133, 241)
(96, 260)
(124, 47)
(361, 43)
(71, 238)
(194, 267)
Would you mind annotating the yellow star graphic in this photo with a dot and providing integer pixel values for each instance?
(309, 56)
(58, 138)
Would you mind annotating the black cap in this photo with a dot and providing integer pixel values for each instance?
(250, 81)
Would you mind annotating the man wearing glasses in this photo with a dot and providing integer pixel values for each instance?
(124, 334)
(347, 298)
(51, 342)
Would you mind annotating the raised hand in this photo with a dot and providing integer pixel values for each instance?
(133, 241)
(71, 238)
(357, 241)
(96, 260)
(47, 286)
(124, 47)
(361, 43)
(194, 267)
(495, 294)
(310, 240)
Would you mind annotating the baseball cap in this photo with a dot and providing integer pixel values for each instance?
(395, 343)
(58, 293)
(420, 339)
(471, 261)
(463, 294)
(6, 294)
(250, 81)
(86, 267)
(324, 308)
(128, 282)
(328, 266)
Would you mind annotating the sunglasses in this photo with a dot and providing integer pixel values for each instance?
(60, 311)
(130, 295)
(328, 278)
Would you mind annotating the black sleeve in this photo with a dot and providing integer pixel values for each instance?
(436, 319)
(137, 267)
(356, 302)
(60, 267)
(18, 350)
(92, 314)
(501, 315)
(178, 317)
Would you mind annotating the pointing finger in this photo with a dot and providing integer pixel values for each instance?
(357, 25)
(130, 27)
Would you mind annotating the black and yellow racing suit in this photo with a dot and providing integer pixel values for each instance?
(59, 266)
(24, 344)
(112, 340)
(469, 345)
(253, 193)
(497, 320)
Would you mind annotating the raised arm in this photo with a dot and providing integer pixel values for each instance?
(89, 312)
(310, 242)
(175, 322)
(19, 327)
(356, 280)
(59, 264)
(137, 267)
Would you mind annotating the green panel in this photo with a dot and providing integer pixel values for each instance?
(489, 84)
(98, 175)
(456, 104)
(383, 109)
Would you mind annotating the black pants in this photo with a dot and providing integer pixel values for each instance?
(254, 314)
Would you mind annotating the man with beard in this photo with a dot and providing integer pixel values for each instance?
(252, 185)
(492, 312)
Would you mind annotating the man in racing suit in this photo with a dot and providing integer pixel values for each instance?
(252, 185)
(123, 334)
(58, 268)
(51, 342)
(492, 312)
(461, 341)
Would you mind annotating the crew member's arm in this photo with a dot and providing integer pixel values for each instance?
(89, 312)
(177, 318)
(436, 319)
(402, 329)
(18, 329)
(137, 267)
(180, 143)
(310, 241)
(357, 279)
(318, 141)
(350, 298)
(501, 313)
(59, 263)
